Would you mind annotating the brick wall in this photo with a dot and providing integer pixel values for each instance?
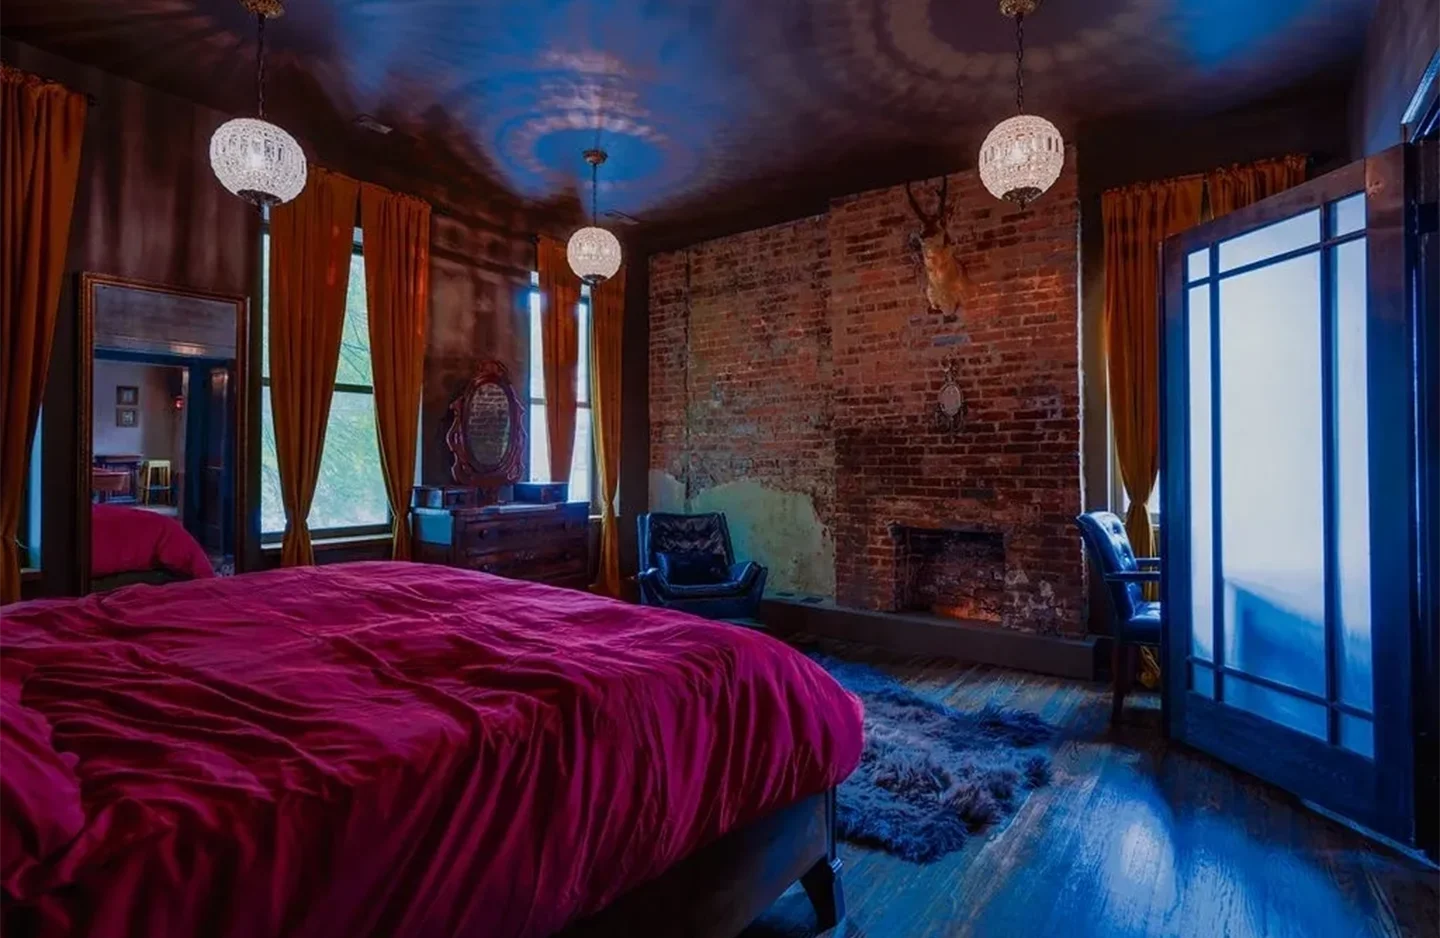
(801, 362)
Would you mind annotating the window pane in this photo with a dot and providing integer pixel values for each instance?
(1282, 236)
(537, 351)
(265, 306)
(351, 490)
(1202, 544)
(272, 507)
(354, 367)
(1271, 485)
(580, 461)
(1198, 264)
(582, 369)
(1352, 471)
(1347, 215)
(539, 445)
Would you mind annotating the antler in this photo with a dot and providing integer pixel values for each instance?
(914, 205)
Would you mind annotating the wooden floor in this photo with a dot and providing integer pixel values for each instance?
(1133, 837)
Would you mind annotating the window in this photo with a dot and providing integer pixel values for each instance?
(583, 459)
(350, 494)
(29, 528)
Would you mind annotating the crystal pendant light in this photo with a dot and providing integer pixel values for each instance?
(593, 252)
(1022, 156)
(251, 157)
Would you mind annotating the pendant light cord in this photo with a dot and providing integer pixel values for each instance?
(1020, 63)
(594, 194)
(260, 65)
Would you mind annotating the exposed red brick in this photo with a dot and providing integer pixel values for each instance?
(803, 356)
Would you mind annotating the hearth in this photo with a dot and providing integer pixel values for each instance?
(955, 571)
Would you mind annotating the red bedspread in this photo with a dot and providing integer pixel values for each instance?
(395, 749)
(126, 540)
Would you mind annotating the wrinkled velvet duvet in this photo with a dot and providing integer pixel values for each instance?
(382, 749)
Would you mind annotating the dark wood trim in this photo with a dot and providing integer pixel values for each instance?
(912, 633)
(723, 887)
(634, 407)
(239, 403)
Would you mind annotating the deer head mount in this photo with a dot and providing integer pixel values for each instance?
(946, 284)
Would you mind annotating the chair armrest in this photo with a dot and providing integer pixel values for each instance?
(745, 572)
(1148, 561)
(1133, 576)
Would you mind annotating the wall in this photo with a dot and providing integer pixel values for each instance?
(1403, 37)
(159, 428)
(148, 207)
(793, 374)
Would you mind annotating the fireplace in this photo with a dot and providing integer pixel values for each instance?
(956, 572)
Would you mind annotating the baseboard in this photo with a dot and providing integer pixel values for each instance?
(913, 633)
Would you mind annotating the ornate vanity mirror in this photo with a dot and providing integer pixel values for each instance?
(487, 430)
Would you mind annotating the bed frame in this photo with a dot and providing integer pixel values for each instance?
(723, 887)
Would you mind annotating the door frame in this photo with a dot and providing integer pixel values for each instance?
(1378, 793)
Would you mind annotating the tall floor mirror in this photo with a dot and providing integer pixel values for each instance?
(163, 371)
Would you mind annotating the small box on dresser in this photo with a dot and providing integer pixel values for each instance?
(545, 543)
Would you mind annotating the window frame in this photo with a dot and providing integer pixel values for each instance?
(533, 301)
(270, 538)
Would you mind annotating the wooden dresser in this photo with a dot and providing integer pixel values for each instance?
(546, 543)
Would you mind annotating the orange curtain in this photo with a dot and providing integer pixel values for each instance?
(1233, 187)
(310, 246)
(607, 326)
(1136, 220)
(397, 290)
(560, 351)
(42, 125)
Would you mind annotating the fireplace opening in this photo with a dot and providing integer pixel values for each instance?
(958, 573)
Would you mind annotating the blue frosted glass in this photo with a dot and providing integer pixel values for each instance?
(1288, 235)
(1202, 544)
(1198, 264)
(1358, 735)
(1202, 680)
(1352, 471)
(1347, 215)
(1279, 707)
(1271, 463)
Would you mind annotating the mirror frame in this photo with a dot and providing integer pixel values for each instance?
(85, 376)
(511, 466)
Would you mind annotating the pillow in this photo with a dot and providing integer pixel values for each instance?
(687, 568)
(40, 809)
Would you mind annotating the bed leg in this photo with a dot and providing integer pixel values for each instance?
(822, 885)
(822, 881)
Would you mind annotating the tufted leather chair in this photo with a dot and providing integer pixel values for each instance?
(738, 597)
(1136, 620)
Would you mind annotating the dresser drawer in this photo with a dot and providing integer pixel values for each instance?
(550, 545)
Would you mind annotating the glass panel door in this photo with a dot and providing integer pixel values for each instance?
(1286, 382)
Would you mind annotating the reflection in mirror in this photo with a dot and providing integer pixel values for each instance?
(487, 430)
(163, 440)
(487, 427)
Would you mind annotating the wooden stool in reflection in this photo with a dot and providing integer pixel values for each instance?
(155, 479)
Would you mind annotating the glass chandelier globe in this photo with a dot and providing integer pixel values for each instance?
(257, 161)
(593, 252)
(251, 157)
(1021, 158)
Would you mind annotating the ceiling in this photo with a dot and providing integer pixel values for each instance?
(703, 106)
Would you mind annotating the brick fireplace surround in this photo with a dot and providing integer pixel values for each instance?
(800, 362)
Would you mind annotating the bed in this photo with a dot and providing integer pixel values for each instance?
(403, 749)
(133, 545)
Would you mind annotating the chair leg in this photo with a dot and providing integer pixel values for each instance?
(822, 886)
(1122, 673)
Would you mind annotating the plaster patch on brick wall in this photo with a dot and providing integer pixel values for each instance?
(776, 528)
(667, 493)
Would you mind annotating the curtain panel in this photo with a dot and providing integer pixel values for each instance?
(397, 288)
(42, 126)
(311, 241)
(607, 326)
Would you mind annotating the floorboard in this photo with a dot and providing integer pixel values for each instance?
(1133, 837)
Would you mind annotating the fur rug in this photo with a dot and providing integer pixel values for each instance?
(931, 775)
